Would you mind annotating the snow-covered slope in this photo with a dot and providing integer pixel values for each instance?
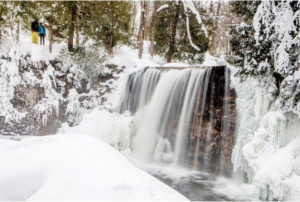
(73, 167)
(113, 128)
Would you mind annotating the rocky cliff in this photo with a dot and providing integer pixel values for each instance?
(48, 93)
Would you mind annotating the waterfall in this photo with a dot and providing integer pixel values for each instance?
(228, 124)
(185, 116)
(139, 89)
(161, 115)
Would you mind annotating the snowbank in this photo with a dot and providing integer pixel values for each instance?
(26, 47)
(113, 128)
(128, 57)
(73, 167)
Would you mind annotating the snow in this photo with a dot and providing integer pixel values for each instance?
(162, 7)
(163, 151)
(190, 4)
(128, 57)
(73, 167)
(267, 144)
(189, 34)
(37, 52)
(113, 128)
(9, 78)
(177, 64)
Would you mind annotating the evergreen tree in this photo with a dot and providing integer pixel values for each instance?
(269, 45)
(106, 22)
(179, 34)
(252, 54)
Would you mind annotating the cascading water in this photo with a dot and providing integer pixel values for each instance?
(161, 115)
(181, 116)
(139, 89)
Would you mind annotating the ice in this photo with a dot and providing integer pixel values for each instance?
(163, 151)
(267, 145)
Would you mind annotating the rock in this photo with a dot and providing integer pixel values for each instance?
(28, 96)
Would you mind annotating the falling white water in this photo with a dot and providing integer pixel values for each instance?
(171, 106)
(139, 89)
(203, 94)
(166, 98)
(197, 80)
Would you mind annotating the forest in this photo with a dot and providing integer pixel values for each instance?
(150, 100)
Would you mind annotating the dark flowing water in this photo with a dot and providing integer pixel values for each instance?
(193, 184)
(198, 189)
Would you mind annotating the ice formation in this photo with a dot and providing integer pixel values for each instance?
(267, 145)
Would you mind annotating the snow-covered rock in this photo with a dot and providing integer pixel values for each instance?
(267, 146)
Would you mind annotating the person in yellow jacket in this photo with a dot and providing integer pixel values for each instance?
(35, 31)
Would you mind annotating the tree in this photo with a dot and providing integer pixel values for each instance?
(153, 27)
(269, 45)
(251, 58)
(72, 6)
(142, 28)
(179, 34)
(106, 22)
(213, 36)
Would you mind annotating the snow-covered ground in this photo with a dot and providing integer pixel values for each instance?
(79, 165)
(113, 128)
(26, 47)
(73, 167)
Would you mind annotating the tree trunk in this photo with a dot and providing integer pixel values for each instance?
(147, 7)
(173, 36)
(154, 18)
(77, 31)
(18, 30)
(133, 17)
(50, 37)
(142, 28)
(73, 9)
(51, 30)
(1, 10)
(213, 36)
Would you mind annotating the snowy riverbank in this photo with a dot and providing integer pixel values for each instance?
(73, 167)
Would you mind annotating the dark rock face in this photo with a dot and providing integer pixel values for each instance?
(27, 97)
(210, 147)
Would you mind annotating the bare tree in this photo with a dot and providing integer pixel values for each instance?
(223, 18)
(77, 30)
(213, 36)
(142, 28)
(153, 28)
(51, 29)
